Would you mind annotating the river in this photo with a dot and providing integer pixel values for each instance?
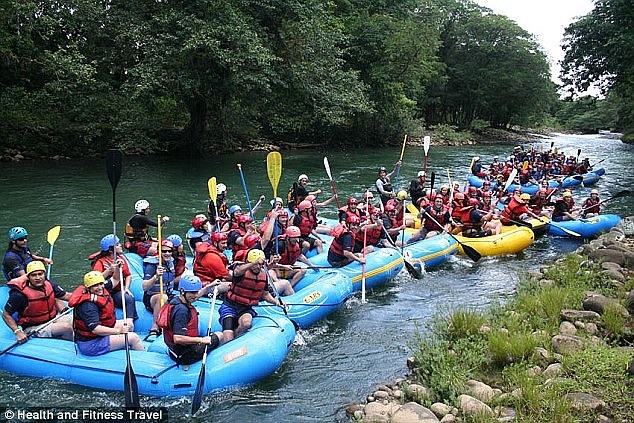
(359, 347)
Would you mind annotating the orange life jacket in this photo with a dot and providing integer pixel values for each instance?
(41, 305)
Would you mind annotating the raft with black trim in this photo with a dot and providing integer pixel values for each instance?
(530, 188)
(244, 361)
(381, 266)
(587, 228)
(592, 177)
(512, 240)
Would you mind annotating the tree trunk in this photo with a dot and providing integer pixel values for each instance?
(195, 131)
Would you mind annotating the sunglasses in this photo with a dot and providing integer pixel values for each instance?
(22, 239)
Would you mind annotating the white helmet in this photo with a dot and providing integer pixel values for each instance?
(421, 173)
(302, 176)
(221, 189)
(141, 205)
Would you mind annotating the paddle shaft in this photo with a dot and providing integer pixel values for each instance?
(617, 195)
(198, 394)
(469, 251)
(47, 324)
(398, 171)
(332, 182)
(246, 192)
(160, 259)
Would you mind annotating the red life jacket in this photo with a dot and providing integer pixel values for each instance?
(235, 247)
(592, 206)
(429, 224)
(166, 324)
(359, 213)
(180, 263)
(305, 225)
(372, 238)
(456, 212)
(513, 210)
(106, 307)
(291, 252)
(248, 290)
(200, 269)
(336, 246)
(41, 304)
(467, 222)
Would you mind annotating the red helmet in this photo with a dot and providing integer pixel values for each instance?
(282, 212)
(390, 207)
(367, 195)
(486, 183)
(251, 240)
(473, 190)
(352, 200)
(244, 218)
(458, 196)
(392, 202)
(486, 194)
(293, 232)
(199, 222)
(166, 243)
(473, 201)
(304, 205)
(353, 218)
(310, 197)
(219, 236)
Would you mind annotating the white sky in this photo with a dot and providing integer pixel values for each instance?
(545, 19)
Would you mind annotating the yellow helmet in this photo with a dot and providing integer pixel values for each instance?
(401, 195)
(525, 196)
(93, 278)
(567, 194)
(255, 255)
(35, 265)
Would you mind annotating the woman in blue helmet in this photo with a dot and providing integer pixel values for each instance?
(18, 254)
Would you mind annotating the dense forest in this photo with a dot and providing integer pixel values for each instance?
(81, 76)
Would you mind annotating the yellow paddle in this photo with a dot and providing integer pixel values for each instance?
(51, 237)
(160, 256)
(213, 195)
(274, 170)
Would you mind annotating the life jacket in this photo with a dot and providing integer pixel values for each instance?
(513, 210)
(456, 211)
(247, 289)
(135, 233)
(165, 321)
(592, 206)
(291, 252)
(372, 237)
(561, 206)
(41, 305)
(537, 204)
(467, 222)
(336, 246)
(24, 256)
(169, 275)
(306, 224)
(107, 316)
(358, 212)
(236, 247)
(202, 271)
(180, 264)
(387, 186)
(429, 224)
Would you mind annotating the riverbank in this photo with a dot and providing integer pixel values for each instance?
(560, 350)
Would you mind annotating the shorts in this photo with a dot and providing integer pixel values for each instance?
(146, 300)
(94, 347)
(310, 240)
(46, 332)
(231, 309)
(130, 309)
(193, 353)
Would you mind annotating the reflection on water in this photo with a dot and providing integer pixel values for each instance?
(344, 357)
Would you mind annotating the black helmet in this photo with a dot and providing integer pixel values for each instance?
(382, 169)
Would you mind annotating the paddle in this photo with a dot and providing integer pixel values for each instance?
(411, 269)
(332, 182)
(552, 144)
(33, 333)
(517, 222)
(619, 194)
(450, 187)
(599, 162)
(51, 237)
(114, 167)
(365, 240)
(398, 171)
(274, 171)
(468, 250)
(277, 296)
(246, 192)
(198, 394)
(160, 257)
(426, 144)
(566, 230)
(213, 195)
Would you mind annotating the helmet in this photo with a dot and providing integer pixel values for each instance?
(251, 239)
(525, 196)
(458, 196)
(392, 202)
(199, 222)
(367, 195)
(255, 255)
(176, 240)
(352, 200)
(282, 212)
(304, 205)
(390, 207)
(17, 233)
(141, 205)
(421, 173)
(476, 158)
(473, 201)
(353, 218)
(310, 198)
(234, 209)
(486, 194)
(166, 243)
(219, 236)
(34, 266)
(488, 183)
(495, 157)
(382, 169)
(372, 209)
(401, 195)
(567, 194)
(221, 189)
(277, 200)
(445, 186)
(244, 218)
(594, 191)
(108, 241)
(473, 190)
(293, 232)
(93, 278)
(302, 176)
(190, 283)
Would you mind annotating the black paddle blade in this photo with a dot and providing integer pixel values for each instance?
(471, 252)
(623, 193)
(130, 389)
(412, 270)
(578, 177)
(433, 179)
(523, 223)
(198, 395)
(114, 164)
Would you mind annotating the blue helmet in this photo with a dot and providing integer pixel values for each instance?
(176, 240)
(17, 232)
(190, 283)
(108, 241)
(234, 209)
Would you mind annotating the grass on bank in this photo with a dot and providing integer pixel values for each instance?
(498, 347)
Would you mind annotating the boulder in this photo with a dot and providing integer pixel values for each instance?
(567, 328)
(630, 301)
(417, 391)
(581, 401)
(552, 370)
(471, 406)
(440, 409)
(598, 303)
(480, 390)
(609, 254)
(449, 418)
(413, 413)
(582, 315)
(377, 413)
(608, 265)
(617, 275)
(626, 225)
(350, 410)
(566, 344)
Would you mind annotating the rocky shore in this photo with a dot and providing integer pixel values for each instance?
(589, 324)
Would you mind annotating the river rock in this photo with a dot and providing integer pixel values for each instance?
(471, 406)
(583, 315)
(608, 265)
(480, 390)
(581, 401)
(567, 328)
(535, 274)
(440, 409)
(377, 412)
(552, 370)
(630, 367)
(630, 301)
(413, 413)
(350, 410)
(546, 283)
(566, 344)
(449, 418)
(591, 328)
(598, 303)
(626, 225)
(417, 391)
(380, 395)
(608, 254)
(614, 274)
(505, 414)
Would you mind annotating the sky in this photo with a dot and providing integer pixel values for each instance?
(546, 19)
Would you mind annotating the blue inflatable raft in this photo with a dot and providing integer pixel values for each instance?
(587, 228)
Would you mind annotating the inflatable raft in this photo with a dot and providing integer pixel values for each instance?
(568, 182)
(512, 240)
(243, 361)
(430, 252)
(587, 228)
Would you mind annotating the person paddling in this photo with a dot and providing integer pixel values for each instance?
(33, 298)
(136, 230)
(591, 206)
(384, 183)
(18, 254)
